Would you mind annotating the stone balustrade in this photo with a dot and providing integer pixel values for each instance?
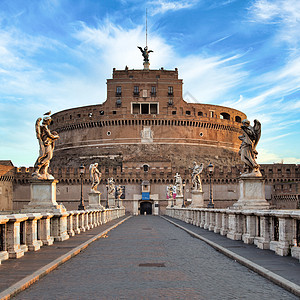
(20, 233)
(276, 230)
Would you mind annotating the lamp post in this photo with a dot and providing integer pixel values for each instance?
(118, 195)
(210, 172)
(183, 186)
(106, 206)
(81, 205)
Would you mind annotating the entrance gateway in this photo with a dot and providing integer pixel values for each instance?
(146, 207)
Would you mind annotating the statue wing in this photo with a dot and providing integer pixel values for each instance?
(141, 49)
(257, 131)
(38, 128)
(38, 136)
(150, 51)
(201, 168)
(91, 170)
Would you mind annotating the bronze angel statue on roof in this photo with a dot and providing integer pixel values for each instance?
(250, 138)
(145, 53)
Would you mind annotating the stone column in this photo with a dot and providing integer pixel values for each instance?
(86, 220)
(252, 193)
(212, 221)
(235, 226)
(45, 231)
(197, 199)
(224, 228)
(70, 224)
(3, 251)
(32, 241)
(198, 216)
(13, 235)
(59, 227)
(202, 220)
(81, 219)
(286, 235)
(76, 221)
(263, 241)
(249, 236)
(218, 222)
(206, 224)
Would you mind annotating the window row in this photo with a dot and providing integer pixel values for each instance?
(136, 91)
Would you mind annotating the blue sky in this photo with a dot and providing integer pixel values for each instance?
(57, 54)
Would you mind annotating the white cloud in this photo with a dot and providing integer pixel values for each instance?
(268, 157)
(286, 13)
(162, 6)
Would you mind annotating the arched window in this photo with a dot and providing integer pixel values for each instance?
(146, 168)
(238, 119)
(225, 116)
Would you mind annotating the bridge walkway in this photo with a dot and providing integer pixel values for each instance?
(147, 257)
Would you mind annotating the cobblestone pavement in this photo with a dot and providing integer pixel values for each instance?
(13, 271)
(148, 258)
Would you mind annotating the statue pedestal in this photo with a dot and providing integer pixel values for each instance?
(179, 201)
(94, 201)
(170, 202)
(43, 197)
(146, 65)
(111, 201)
(197, 199)
(252, 193)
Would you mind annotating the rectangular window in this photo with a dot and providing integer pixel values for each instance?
(136, 90)
(188, 112)
(135, 108)
(145, 94)
(174, 112)
(145, 108)
(211, 114)
(118, 91)
(170, 90)
(153, 108)
(153, 91)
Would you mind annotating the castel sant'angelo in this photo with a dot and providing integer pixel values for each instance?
(142, 135)
(145, 122)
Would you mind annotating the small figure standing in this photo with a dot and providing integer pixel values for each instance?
(111, 188)
(145, 53)
(46, 141)
(250, 138)
(196, 180)
(119, 194)
(170, 192)
(178, 184)
(95, 177)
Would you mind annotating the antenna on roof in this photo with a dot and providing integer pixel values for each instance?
(146, 28)
(145, 51)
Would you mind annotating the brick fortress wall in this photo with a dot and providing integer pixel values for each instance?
(280, 180)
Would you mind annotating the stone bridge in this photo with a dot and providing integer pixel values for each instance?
(188, 254)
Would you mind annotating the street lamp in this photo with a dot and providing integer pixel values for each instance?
(210, 172)
(81, 205)
(183, 186)
(107, 195)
